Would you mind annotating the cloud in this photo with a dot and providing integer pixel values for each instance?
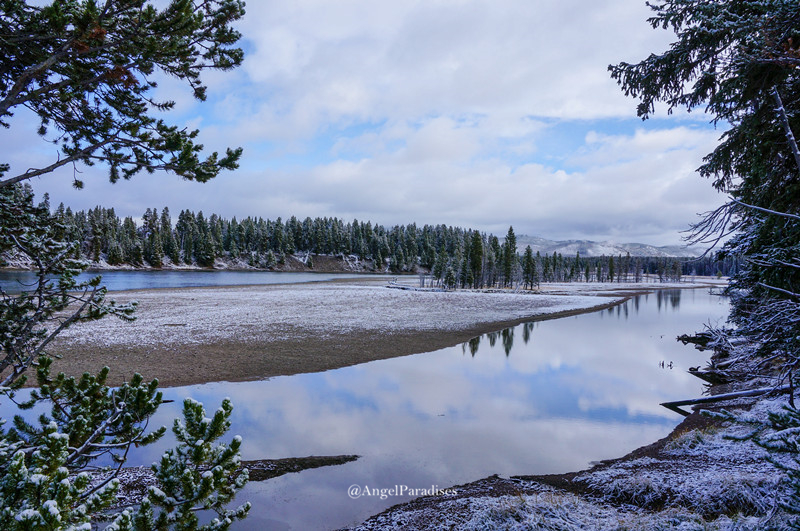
(318, 63)
(639, 186)
(457, 112)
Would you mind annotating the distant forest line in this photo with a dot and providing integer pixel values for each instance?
(456, 257)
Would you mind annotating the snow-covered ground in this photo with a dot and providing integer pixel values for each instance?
(700, 478)
(275, 313)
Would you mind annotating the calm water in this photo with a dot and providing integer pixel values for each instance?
(538, 398)
(15, 281)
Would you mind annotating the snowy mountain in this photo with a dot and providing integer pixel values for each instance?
(590, 248)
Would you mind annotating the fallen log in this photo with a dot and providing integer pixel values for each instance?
(675, 406)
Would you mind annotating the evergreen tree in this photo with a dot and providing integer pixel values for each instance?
(449, 278)
(155, 251)
(740, 59)
(204, 250)
(270, 260)
(85, 71)
(528, 267)
(509, 257)
(611, 269)
(476, 258)
(115, 256)
(41, 484)
(135, 254)
(170, 244)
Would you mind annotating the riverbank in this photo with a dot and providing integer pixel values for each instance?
(694, 479)
(292, 263)
(197, 335)
(705, 475)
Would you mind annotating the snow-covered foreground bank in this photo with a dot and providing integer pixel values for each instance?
(698, 478)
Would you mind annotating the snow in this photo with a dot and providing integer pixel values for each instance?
(275, 313)
(702, 479)
(28, 515)
(547, 509)
(51, 506)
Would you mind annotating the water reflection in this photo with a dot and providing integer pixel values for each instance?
(667, 300)
(508, 340)
(671, 298)
(585, 388)
(507, 336)
(527, 328)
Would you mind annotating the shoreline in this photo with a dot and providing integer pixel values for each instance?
(696, 477)
(186, 336)
(310, 351)
(707, 473)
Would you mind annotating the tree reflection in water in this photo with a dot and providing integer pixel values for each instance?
(665, 299)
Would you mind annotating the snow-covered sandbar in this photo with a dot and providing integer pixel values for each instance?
(195, 335)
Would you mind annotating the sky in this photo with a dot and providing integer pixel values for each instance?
(469, 113)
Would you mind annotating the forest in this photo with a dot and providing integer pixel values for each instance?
(454, 256)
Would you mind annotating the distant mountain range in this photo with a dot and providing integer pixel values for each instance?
(590, 248)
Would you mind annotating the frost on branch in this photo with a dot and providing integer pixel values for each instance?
(199, 474)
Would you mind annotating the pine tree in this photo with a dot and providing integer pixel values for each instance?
(611, 269)
(170, 244)
(509, 257)
(528, 267)
(204, 249)
(155, 251)
(270, 260)
(440, 266)
(739, 60)
(115, 256)
(449, 278)
(85, 72)
(476, 257)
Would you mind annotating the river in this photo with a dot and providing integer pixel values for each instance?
(539, 398)
(15, 281)
(542, 397)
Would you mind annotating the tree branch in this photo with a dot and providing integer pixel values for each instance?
(766, 210)
(779, 290)
(62, 162)
(781, 110)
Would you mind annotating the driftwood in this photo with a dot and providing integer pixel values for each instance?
(675, 406)
(699, 340)
(712, 376)
(135, 481)
(412, 288)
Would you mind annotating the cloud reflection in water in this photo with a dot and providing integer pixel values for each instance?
(540, 398)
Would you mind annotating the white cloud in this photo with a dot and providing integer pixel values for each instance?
(322, 62)
(460, 112)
